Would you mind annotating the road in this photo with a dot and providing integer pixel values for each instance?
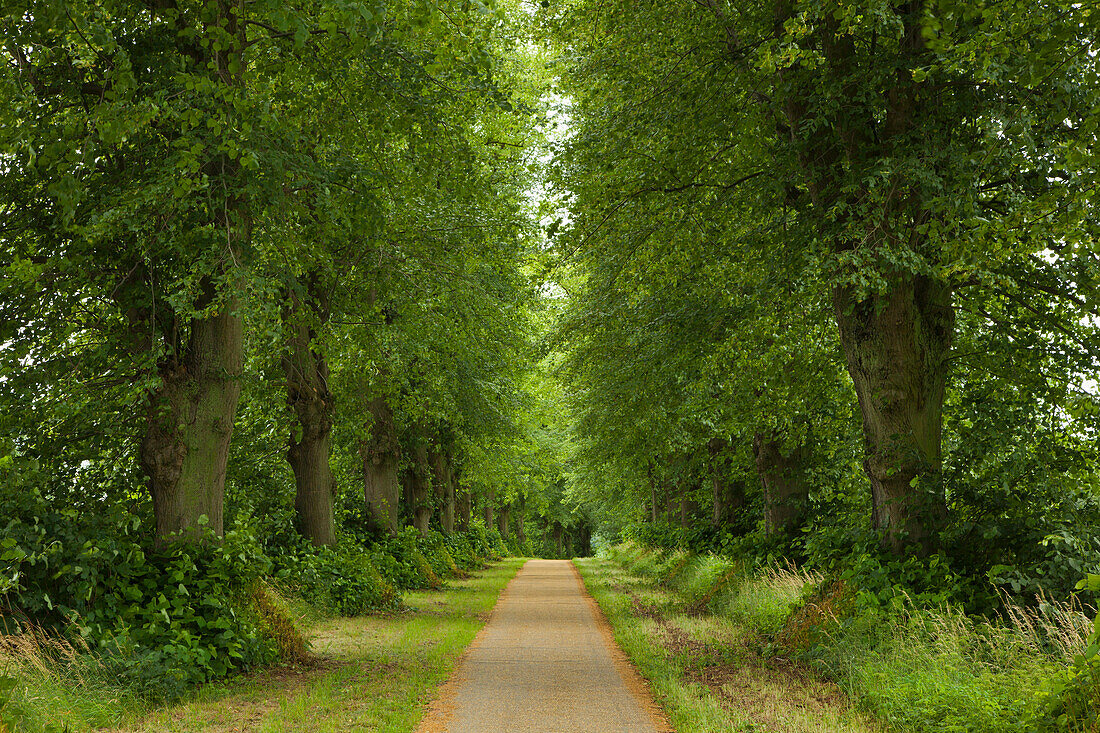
(545, 663)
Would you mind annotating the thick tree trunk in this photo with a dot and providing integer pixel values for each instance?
(443, 486)
(190, 416)
(487, 508)
(310, 441)
(896, 340)
(897, 346)
(558, 531)
(381, 456)
(189, 426)
(503, 516)
(687, 511)
(786, 491)
(584, 548)
(418, 482)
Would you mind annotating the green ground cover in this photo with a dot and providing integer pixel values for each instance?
(373, 672)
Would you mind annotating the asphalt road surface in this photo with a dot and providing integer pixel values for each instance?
(545, 663)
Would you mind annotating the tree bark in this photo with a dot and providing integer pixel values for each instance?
(418, 482)
(441, 485)
(896, 339)
(786, 491)
(897, 346)
(503, 516)
(688, 508)
(521, 516)
(381, 456)
(311, 441)
(190, 423)
(450, 489)
(487, 508)
(585, 541)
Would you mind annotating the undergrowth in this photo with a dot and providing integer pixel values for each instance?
(916, 667)
(92, 627)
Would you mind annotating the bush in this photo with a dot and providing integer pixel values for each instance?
(163, 617)
(434, 548)
(401, 561)
(341, 579)
(885, 633)
(463, 552)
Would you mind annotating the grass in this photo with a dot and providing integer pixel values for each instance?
(769, 644)
(375, 673)
(704, 668)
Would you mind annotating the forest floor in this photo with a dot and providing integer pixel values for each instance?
(709, 673)
(369, 673)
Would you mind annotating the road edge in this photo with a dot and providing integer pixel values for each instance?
(638, 685)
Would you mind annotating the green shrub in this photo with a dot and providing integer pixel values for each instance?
(340, 579)
(463, 552)
(434, 548)
(163, 617)
(915, 667)
(487, 542)
(401, 561)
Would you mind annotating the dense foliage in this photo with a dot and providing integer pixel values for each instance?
(341, 299)
(829, 274)
(265, 319)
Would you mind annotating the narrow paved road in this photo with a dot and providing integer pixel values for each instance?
(545, 663)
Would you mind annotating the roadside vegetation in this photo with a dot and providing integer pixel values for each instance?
(266, 333)
(732, 646)
(372, 671)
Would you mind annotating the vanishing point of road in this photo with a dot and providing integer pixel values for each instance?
(545, 663)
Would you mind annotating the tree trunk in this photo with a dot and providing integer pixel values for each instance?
(381, 456)
(896, 340)
(443, 486)
(190, 423)
(503, 516)
(558, 530)
(418, 483)
(585, 541)
(521, 516)
(449, 495)
(897, 346)
(786, 491)
(190, 416)
(310, 441)
(487, 508)
(687, 511)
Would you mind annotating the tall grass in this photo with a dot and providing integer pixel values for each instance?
(49, 677)
(916, 669)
